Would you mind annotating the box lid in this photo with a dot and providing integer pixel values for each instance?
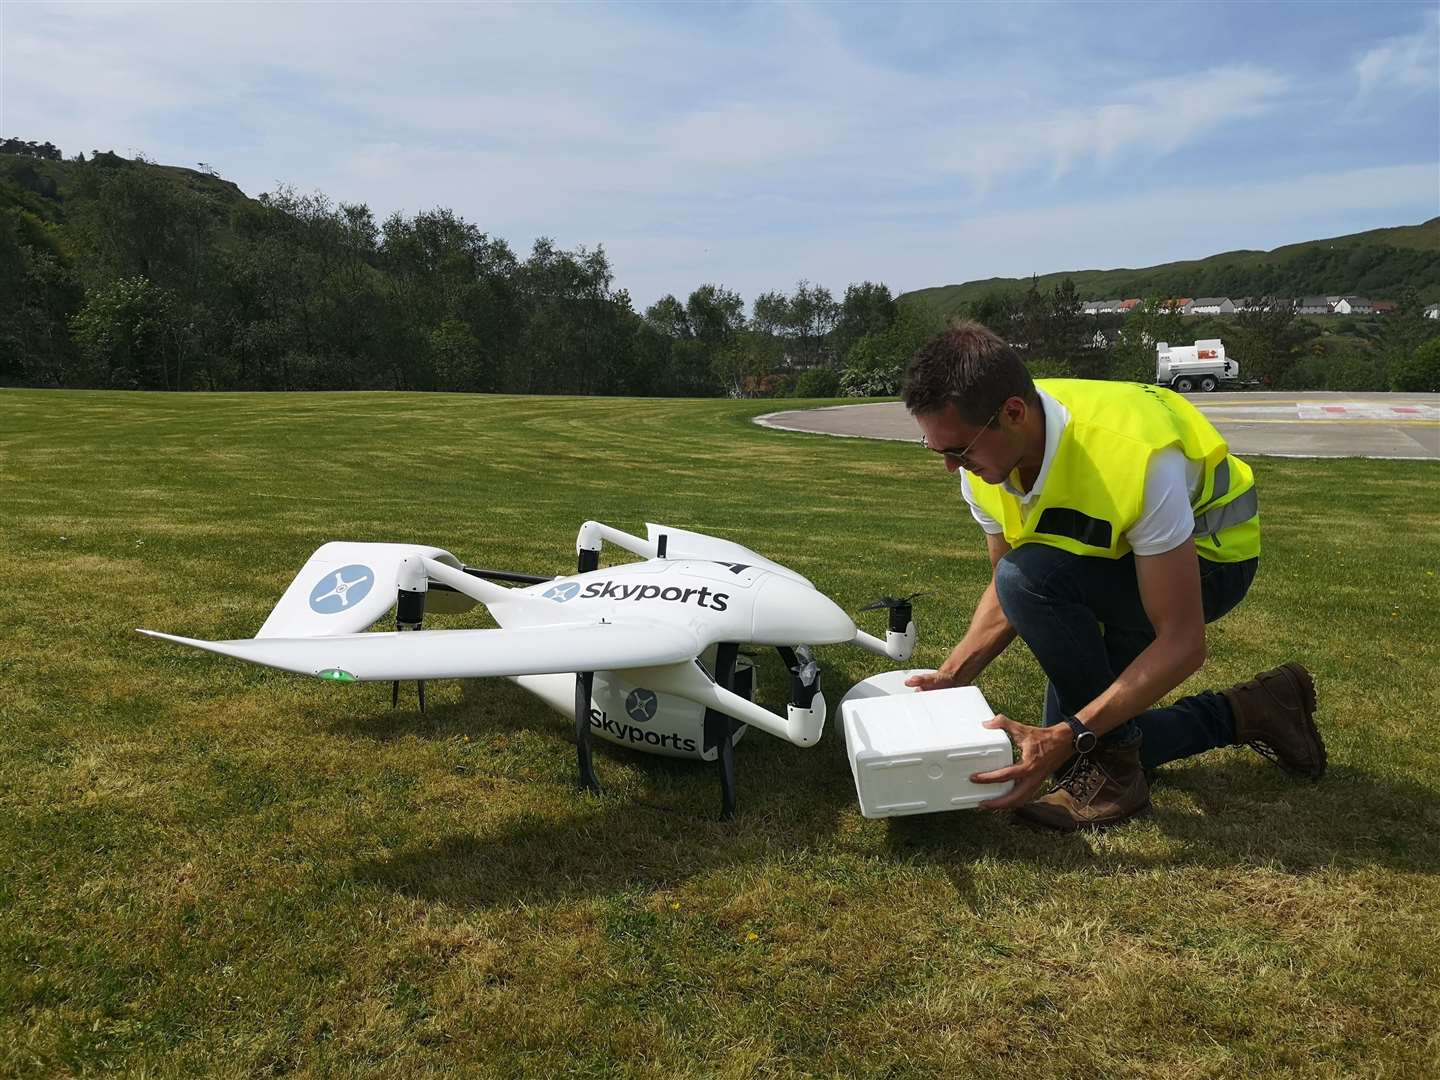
(917, 723)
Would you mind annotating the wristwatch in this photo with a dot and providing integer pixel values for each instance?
(1085, 739)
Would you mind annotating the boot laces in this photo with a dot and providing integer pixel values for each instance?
(1265, 750)
(1080, 777)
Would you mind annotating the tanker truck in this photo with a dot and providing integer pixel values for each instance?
(1201, 366)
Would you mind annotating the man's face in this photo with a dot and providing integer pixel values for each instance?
(989, 451)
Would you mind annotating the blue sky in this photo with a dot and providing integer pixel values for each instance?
(753, 145)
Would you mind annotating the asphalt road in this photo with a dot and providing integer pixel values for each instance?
(1313, 425)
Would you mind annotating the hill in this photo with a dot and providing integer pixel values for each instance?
(53, 190)
(1379, 264)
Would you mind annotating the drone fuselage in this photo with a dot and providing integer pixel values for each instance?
(717, 601)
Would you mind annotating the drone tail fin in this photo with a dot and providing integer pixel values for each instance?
(345, 587)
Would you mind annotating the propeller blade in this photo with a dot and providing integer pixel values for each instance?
(887, 602)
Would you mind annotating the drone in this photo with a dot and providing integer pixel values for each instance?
(642, 654)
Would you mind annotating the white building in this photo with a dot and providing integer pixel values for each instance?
(1352, 305)
(1210, 305)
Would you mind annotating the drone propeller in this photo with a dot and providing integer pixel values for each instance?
(898, 607)
(891, 602)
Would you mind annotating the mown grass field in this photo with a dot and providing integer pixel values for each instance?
(207, 867)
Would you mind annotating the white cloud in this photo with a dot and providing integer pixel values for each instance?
(1409, 64)
(750, 145)
(1151, 118)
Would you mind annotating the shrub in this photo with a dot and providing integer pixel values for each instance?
(817, 382)
(1420, 372)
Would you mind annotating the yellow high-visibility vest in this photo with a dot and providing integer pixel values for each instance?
(1095, 490)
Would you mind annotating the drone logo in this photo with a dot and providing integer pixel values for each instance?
(335, 592)
(561, 593)
(640, 705)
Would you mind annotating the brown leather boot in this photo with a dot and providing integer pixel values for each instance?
(1102, 788)
(1275, 714)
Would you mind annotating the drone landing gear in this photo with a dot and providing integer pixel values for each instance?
(584, 690)
(410, 615)
(720, 730)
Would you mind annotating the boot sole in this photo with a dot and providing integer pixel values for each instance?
(1307, 691)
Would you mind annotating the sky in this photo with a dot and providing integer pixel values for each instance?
(756, 145)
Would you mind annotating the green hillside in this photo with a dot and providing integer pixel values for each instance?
(52, 190)
(1379, 264)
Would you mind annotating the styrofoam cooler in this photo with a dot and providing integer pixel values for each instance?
(914, 753)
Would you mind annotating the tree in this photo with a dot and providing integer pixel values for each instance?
(1268, 339)
(868, 308)
(997, 310)
(38, 293)
(131, 334)
(1420, 372)
(875, 365)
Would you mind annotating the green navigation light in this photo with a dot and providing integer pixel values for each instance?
(334, 674)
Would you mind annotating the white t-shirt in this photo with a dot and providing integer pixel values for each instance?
(1166, 520)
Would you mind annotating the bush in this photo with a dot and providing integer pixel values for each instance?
(1336, 363)
(817, 382)
(881, 381)
(1045, 367)
(1420, 372)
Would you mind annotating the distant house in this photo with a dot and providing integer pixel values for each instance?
(1126, 305)
(1386, 307)
(1313, 305)
(1352, 305)
(1210, 305)
(1176, 303)
(1432, 311)
(1105, 339)
(1100, 307)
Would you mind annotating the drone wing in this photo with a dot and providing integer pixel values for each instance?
(464, 654)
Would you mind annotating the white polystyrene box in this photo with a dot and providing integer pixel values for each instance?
(914, 753)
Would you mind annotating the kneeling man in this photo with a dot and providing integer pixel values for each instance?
(1118, 525)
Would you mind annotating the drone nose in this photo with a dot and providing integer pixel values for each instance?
(788, 612)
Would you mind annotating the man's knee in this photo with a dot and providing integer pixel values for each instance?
(1028, 573)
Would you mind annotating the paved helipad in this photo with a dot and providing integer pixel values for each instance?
(1315, 425)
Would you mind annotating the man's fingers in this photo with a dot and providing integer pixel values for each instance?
(999, 776)
(1019, 795)
(1001, 721)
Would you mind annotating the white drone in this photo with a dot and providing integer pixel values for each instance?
(644, 654)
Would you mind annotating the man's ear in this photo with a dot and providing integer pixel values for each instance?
(1015, 410)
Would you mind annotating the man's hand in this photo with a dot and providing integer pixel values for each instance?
(934, 680)
(1042, 751)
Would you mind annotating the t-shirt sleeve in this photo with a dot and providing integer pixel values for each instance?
(988, 523)
(1166, 521)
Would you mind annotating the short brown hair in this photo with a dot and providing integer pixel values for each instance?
(967, 366)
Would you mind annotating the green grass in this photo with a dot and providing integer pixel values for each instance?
(211, 867)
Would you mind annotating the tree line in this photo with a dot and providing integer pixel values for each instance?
(123, 274)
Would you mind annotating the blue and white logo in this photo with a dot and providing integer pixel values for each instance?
(561, 593)
(340, 590)
(640, 705)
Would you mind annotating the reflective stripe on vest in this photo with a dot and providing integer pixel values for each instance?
(1240, 509)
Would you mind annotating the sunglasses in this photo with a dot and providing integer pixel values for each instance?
(962, 457)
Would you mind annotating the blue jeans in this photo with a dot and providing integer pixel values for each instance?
(1083, 619)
